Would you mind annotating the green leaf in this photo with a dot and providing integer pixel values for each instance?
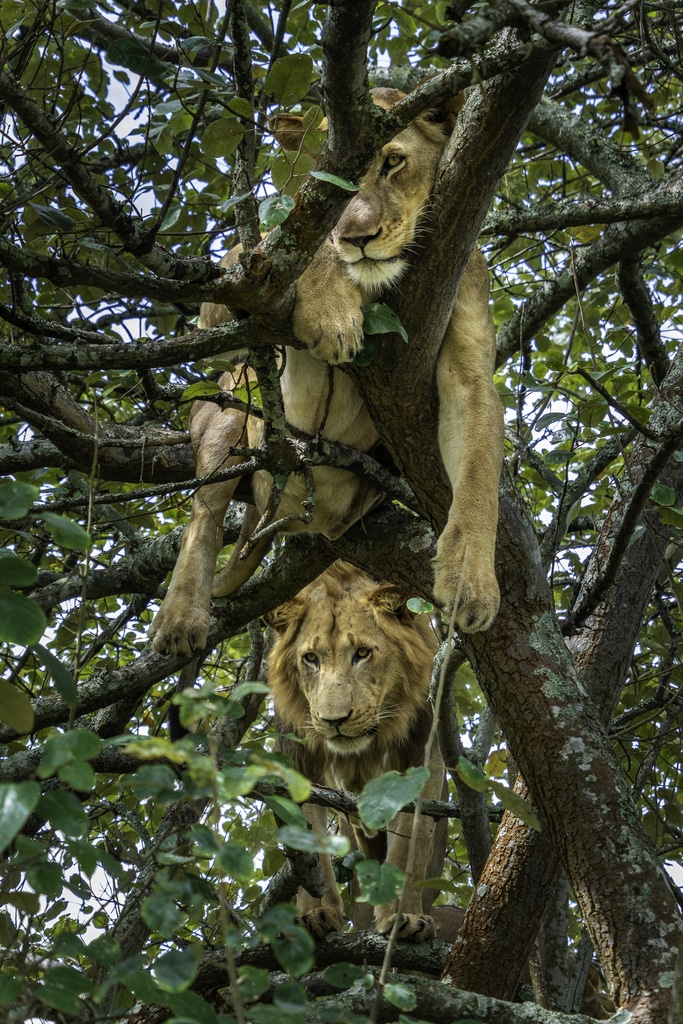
(222, 137)
(161, 914)
(275, 210)
(132, 54)
(661, 494)
(64, 747)
(235, 861)
(334, 179)
(343, 975)
(253, 982)
(200, 389)
(472, 776)
(307, 841)
(176, 970)
(380, 883)
(368, 351)
(190, 1008)
(15, 708)
(477, 780)
(295, 950)
(78, 775)
(289, 78)
(64, 812)
(286, 810)
(228, 204)
(10, 989)
(516, 804)
(382, 799)
(17, 801)
(63, 679)
(104, 950)
(21, 619)
(292, 944)
(15, 571)
(672, 517)
(65, 532)
(290, 997)
(55, 219)
(47, 879)
(251, 686)
(157, 781)
(16, 498)
(378, 318)
(401, 996)
(62, 988)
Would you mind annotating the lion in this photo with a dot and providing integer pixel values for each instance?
(366, 254)
(350, 672)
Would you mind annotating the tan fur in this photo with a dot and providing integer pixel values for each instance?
(366, 253)
(349, 672)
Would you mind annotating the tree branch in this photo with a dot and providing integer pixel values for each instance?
(586, 265)
(637, 297)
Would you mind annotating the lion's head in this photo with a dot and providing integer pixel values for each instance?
(350, 671)
(378, 227)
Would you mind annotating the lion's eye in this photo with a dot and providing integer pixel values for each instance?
(362, 654)
(392, 162)
(310, 658)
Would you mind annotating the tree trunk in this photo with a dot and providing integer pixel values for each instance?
(578, 787)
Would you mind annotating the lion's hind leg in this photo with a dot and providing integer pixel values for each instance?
(181, 625)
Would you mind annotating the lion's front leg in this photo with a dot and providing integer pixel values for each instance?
(471, 444)
(324, 914)
(415, 925)
(327, 313)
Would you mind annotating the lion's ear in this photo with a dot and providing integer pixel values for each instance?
(290, 132)
(446, 113)
(390, 599)
(280, 617)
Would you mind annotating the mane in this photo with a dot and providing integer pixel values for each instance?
(412, 644)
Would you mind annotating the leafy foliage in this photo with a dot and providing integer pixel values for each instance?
(136, 150)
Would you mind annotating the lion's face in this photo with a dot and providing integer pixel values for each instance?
(351, 665)
(379, 226)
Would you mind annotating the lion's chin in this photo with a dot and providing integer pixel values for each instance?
(373, 275)
(348, 744)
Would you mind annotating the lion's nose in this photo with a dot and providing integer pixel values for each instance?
(336, 722)
(360, 241)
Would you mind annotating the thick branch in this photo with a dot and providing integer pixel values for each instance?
(585, 143)
(190, 285)
(661, 200)
(586, 265)
(638, 299)
(125, 453)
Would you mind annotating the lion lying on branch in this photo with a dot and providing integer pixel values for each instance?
(366, 253)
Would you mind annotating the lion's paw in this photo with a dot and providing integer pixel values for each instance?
(412, 927)
(321, 921)
(332, 336)
(171, 633)
(467, 588)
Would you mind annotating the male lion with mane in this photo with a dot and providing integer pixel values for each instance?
(366, 254)
(350, 671)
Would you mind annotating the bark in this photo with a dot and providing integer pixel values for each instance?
(576, 784)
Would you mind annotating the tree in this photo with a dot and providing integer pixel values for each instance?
(136, 150)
